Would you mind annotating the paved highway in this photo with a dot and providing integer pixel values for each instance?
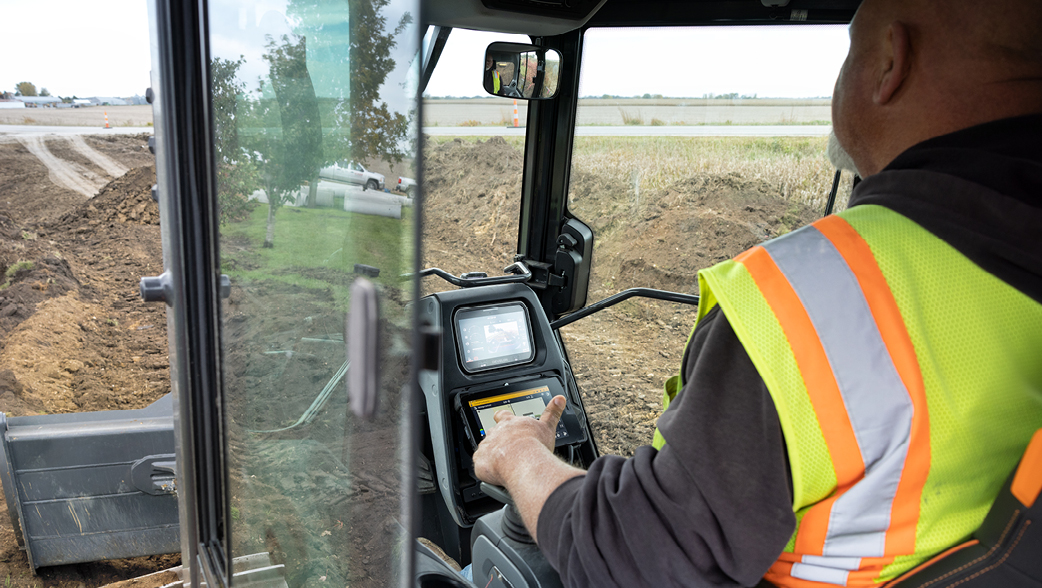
(642, 131)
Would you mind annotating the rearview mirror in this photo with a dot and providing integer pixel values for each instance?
(515, 70)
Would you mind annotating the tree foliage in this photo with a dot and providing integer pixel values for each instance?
(375, 131)
(300, 149)
(25, 89)
(320, 103)
(44, 92)
(237, 174)
(281, 126)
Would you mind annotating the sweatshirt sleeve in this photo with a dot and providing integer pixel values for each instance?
(712, 508)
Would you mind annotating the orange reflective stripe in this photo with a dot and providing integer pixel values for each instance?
(900, 536)
(821, 387)
(1027, 482)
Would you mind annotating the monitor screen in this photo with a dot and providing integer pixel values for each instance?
(492, 337)
(529, 401)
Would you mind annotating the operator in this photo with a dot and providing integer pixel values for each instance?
(854, 393)
(492, 81)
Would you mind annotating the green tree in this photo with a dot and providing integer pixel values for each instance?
(353, 105)
(25, 89)
(237, 174)
(284, 127)
(44, 92)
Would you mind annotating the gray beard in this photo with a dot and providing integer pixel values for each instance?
(839, 156)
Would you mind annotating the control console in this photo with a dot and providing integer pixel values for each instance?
(498, 352)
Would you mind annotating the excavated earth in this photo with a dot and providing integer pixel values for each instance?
(74, 334)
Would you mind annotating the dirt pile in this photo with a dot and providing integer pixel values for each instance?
(26, 283)
(125, 199)
(472, 192)
(77, 297)
(692, 225)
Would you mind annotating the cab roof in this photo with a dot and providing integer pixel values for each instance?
(553, 17)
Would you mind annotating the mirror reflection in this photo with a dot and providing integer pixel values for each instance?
(514, 70)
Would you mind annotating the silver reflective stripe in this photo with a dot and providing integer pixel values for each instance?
(819, 574)
(840, 563)
(877, 402)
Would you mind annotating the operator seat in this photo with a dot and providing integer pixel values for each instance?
(1006, 551)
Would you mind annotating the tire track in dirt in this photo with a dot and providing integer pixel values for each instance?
(101, 160)
(61, 172)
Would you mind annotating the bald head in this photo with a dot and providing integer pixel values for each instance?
(922, 68)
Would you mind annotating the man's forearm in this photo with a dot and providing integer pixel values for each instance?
(535, 474)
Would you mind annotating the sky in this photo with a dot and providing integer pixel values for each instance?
(76, 48)
(102, 49)
(776, 62)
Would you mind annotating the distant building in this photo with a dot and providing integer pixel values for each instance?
(135, 100)
(7, 104)
(35, 101)
(80, 102)
(107, 101)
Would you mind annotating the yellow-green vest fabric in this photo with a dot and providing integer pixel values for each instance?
(907, 382)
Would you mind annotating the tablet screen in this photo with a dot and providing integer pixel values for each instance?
(529, 402)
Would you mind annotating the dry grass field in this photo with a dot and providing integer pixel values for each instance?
(499, 111)
(92, 116)
(635, 111)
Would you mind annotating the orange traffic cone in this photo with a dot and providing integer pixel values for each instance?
(107, 120)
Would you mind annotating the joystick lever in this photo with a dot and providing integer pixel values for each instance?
(499, 493)
(513, 526)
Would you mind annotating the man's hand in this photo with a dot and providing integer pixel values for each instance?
(518, 454)
(515, 438)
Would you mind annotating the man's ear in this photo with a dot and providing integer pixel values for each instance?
(898, 62)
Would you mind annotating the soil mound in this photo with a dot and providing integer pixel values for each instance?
(74, 334)
(13, 397)
(27, 283)
(127, 199)
(715, 217)
(472, 192)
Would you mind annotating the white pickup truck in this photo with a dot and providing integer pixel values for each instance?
(407, 185)
(351, 172)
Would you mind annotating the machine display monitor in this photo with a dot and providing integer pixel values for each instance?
(493, 337)
(527, 400)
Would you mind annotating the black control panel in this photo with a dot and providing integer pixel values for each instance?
(498, 352)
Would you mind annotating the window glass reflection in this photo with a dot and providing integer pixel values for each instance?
(314, 103)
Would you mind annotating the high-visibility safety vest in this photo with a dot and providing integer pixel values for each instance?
(907, 380)
(495, 81)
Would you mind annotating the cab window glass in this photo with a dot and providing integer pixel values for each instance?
(314, 487)
(473, 159)
(691, 146)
